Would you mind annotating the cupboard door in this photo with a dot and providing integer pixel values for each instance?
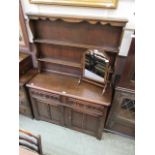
(121, 118)
(86, 117)
(84, 122)
(47, 110)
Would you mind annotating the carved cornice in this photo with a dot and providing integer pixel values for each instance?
(79, 19)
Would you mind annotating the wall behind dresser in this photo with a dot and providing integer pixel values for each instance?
(125, 9)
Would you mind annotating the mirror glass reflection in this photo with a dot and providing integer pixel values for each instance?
(96, 65)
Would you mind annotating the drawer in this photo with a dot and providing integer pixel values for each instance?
(35, 92)
(86, 107)
(49, 98)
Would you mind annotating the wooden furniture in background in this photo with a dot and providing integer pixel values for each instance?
(25, 63)
(55, 93)
(30, 141)
(122, 114)
(25, 74)
(23, 34)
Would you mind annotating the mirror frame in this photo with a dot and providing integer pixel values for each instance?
(97, 83)
(111, 4)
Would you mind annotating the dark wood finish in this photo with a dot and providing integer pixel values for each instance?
(24, 151)
(68, 86)
(25, 74)
(25, 63)
(127, 79)
(119, 68)
(55, 92)
(80, 107)
(62, 59)
(121, 118)
(30, 141)
(77, 31)
(65, 40)
(24, 102)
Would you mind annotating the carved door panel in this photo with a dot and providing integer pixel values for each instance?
(48, 111)
(84, 116)
(124, 107)
(122, 114)
(77, 119)
(84, 122)
(57, 113)
(43, 110)
(91, 123)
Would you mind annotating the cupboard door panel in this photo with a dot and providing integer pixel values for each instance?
(77, 119)
(43, 110)
(48, 110)
(56, 114)
(91, 123)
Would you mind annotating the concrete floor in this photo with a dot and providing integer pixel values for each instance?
(57, 140)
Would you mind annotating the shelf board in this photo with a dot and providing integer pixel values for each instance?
(63, 43)
(60, 62)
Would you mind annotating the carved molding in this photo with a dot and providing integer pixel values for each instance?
(79, 19)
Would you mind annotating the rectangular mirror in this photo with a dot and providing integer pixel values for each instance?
(86, 3)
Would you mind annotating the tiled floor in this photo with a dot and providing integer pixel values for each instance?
(57, 140)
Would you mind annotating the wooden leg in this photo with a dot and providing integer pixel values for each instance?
(100, 128)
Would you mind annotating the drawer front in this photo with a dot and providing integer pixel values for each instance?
(79, 105)
(86, 107)
(49, 98)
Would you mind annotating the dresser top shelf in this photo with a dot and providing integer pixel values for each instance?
(68, 86)
(77, 45)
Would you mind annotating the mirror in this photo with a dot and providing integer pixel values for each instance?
(97, 67)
